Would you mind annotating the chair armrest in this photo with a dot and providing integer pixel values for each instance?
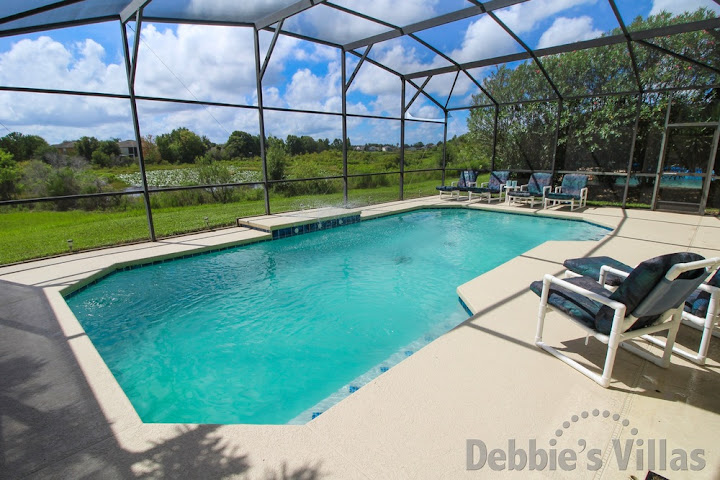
(484, 184)
(452, 184)
(558, 189)
(523, 188)
(709, 289)
(615, 305)
(605, 269)
(679, 268)
(546, 190)
(471, 184)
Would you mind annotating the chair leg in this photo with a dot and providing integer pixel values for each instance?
(613, 345)
(542, 311)
(670, 344)
(698, 357)
(705, 342)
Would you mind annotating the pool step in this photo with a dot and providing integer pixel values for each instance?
(283, 226)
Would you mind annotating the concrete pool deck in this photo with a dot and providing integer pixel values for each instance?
(64, 415)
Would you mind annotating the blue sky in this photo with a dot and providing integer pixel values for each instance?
(217, 64)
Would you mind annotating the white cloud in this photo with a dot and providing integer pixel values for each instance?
(675, 7)
(567, 30)
(188, 62)
(457, 124)
(194, 62)
(524, 17)
(340, 27)
(234, 10)
(57, 117)
(411, 11)
(308, 91)
(46, 63)
(484, 38)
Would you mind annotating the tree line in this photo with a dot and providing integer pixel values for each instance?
(181, 145)
(596, 132)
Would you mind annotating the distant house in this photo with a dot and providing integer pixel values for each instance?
(128, 148)
(373, 148)
(388, 148)
(65, 148)
(359, 148)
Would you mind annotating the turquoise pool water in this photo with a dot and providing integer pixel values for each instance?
(278, 331)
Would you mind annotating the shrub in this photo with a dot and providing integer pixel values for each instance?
(370, 181)
(85, 146)
(23, 147)
(242, 144)
(101, 158)
(182, 198)
(276, 159)
(9, 176)
(181, 146)
(310, 187)
(34, 178)
(213, 173)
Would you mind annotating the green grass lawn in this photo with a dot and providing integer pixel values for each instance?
(26, 234)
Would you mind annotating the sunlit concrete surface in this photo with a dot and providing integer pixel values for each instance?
(63, 415)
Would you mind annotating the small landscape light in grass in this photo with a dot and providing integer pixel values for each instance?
(70, 244)
(207, 222)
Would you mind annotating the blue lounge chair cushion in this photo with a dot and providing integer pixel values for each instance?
(480, 189)
(520, 193)
(538, 181)
(572, 184)
(498, 179)
(590, 267)
(577, 306)
(715, 279)
(699, 301)
(466, 177)
(562, 196)
(643, 279)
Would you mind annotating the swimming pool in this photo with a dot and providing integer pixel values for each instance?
(278, 331)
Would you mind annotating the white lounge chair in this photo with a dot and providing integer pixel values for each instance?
(537, 187)
(701, 311)
(573, 191)
(648, 301)
(494, 189)
(467, 179)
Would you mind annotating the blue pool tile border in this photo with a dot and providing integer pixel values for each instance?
(310, 227)
(315, 226)
(465, 307)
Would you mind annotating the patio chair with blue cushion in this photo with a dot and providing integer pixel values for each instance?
(494, 189)
(648, 301)
(537, 187)
(701, 310)
(467, 179)
(573, 190)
